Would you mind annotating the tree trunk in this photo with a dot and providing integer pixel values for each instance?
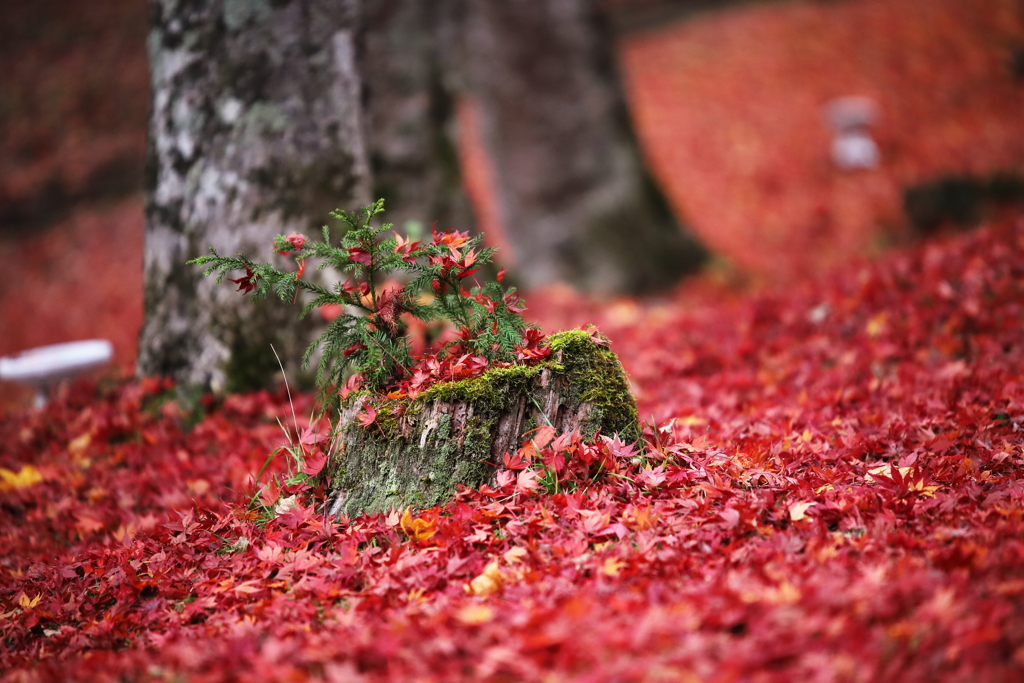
(573, 194)
(255, 130)
(456, 433)
(411, 88)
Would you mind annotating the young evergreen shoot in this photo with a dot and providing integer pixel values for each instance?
(368, 338)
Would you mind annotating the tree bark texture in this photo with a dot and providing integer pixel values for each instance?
(457, 433)
(573, 194)
(255, 130)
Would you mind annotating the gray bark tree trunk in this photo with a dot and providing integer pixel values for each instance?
(255, 130)
(573, 194)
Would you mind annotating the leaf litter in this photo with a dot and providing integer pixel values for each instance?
(822, 496)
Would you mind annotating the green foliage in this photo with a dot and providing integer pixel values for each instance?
(368, 338)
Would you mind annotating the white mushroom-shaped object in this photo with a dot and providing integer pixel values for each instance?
(45, 366)
(850, 119)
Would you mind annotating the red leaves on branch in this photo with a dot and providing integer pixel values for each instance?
(360, 255)
(248, 282)
(452, 239)
(455, 263)
(389, 309)
(533, 347)
(454, 364)
(292, 242)
(406, 248)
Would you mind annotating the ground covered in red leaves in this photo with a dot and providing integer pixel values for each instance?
(729, 108)
(831, 487)
(832, 490)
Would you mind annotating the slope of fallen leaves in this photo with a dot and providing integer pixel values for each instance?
(832, 491)
(728, 107)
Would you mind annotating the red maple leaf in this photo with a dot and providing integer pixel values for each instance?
(353, 384)
(312, 435)
(368, 416)
(314, 464)
(248, 282)
(359, 255)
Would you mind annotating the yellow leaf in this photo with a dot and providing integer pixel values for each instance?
(639, 518)
(483, 585)
(494, 571)
(924, 491)
(885, 471)
(798, 511)
(788, 593)
(876, 325)
(22, 479)
(612, 566)
(515, 554)
(417, 528)
(27, 602)
(78, 446)
(475, 614)
(489, 582)
(785, 594)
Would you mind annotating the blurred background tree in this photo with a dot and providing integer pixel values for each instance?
(572, 195)
(262, 121)
(570, 184)
(411, 90)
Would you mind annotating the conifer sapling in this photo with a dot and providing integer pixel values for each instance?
(368, 340)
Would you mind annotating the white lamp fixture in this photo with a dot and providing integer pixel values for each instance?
(45, 366)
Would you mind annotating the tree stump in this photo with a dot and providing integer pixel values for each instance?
(457, 432)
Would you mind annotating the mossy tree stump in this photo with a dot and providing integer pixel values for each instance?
(457, 432)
